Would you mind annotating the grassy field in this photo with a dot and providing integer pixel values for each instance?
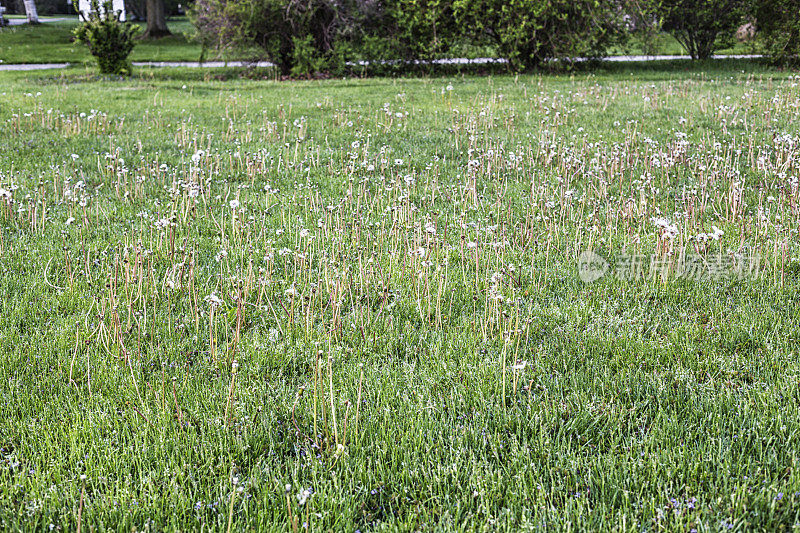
(355, 305)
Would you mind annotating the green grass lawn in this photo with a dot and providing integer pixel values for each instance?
(665, 44)
(51, 42)
(354, 305)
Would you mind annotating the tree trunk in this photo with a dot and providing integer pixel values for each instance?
(156, 20)
(30, 11)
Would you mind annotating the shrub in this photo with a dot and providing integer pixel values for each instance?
(778, 23)
(297, 35)
(305, 57)
(701, 26)
(400, 35)
(531, 33)
(305, 36)
(423, 29)
(109, 39)
(641, 22)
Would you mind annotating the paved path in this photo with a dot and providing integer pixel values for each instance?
(21, 22)
(205, 64)
(33, 66)
(623, 59)
(455, 61)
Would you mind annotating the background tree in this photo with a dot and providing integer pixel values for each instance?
(43, 7)
(778, 24)
(642, 22)
(398, 35)
(530, 33)
(137, 9)
(30, 12)
(423, 29)
(701, 26)
(297, 35)
(156, 20)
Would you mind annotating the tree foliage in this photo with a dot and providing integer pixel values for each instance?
(294, 34)
(778, 22)
(529, 33)
(306, 36)
(422, 29)
(701, 26)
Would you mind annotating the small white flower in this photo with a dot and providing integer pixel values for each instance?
(302, 496)
(660, 222)
(213, 300)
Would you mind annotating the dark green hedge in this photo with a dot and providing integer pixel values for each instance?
(304, 37)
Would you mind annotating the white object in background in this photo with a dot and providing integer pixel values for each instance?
(85, 6)
(30, 11)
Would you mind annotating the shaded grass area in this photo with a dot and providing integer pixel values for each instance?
(666, 44)
(386, 225)
(51, 42)
(610, 71)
